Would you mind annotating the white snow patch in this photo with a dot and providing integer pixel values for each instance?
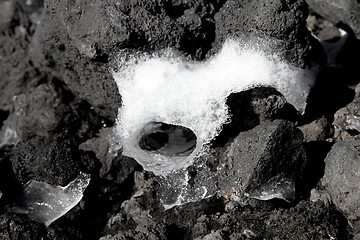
(165, 87)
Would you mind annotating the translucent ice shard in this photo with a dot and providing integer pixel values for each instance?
(178, 188)
(8, 137)
(167, 99)
(277, 187)
(46, 203)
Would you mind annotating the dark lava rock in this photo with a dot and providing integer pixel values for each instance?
(283, 21)
(306, 221)
(19, 227)
(50, 110)
(344, 12)
(134, 219)
(341, 179)
(16, 72)
(318, 130)
(249, 108)
(270, 155)
(43, 160)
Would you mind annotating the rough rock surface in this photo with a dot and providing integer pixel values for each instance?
(342, 177)
(50, 110)
(255, 158)
(249, 108)
(47, 161)
(17, 227)
(343, 12)
(16, 69)
(229, 221)
(318, 130)
(237, 18)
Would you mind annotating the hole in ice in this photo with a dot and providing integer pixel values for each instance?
(167, 139)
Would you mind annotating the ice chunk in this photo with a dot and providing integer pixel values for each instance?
(177, 188)
(8, 137)
(46, 203)
(165, 88)
(277, 187)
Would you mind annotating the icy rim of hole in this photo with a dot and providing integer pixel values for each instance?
(166, 87)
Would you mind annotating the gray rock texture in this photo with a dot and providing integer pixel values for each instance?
(342, 176)
(17, 227)
(345, 12)
(50, 110)
(265, 155)
(318, 130)
(16, 72)
(47, 161)
(239, 18)
(249, 108)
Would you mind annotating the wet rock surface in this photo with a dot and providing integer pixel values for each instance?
(57, 92)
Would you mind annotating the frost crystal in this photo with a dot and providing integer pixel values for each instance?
(167, 89)
(46, 203)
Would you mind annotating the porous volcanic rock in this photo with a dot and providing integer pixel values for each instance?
(342, 176)
(19, 227)
(16, 72)
(51, 110)
(287, 27)
(265, 155)
(249, 108)
(47, 161)
(318, 130)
